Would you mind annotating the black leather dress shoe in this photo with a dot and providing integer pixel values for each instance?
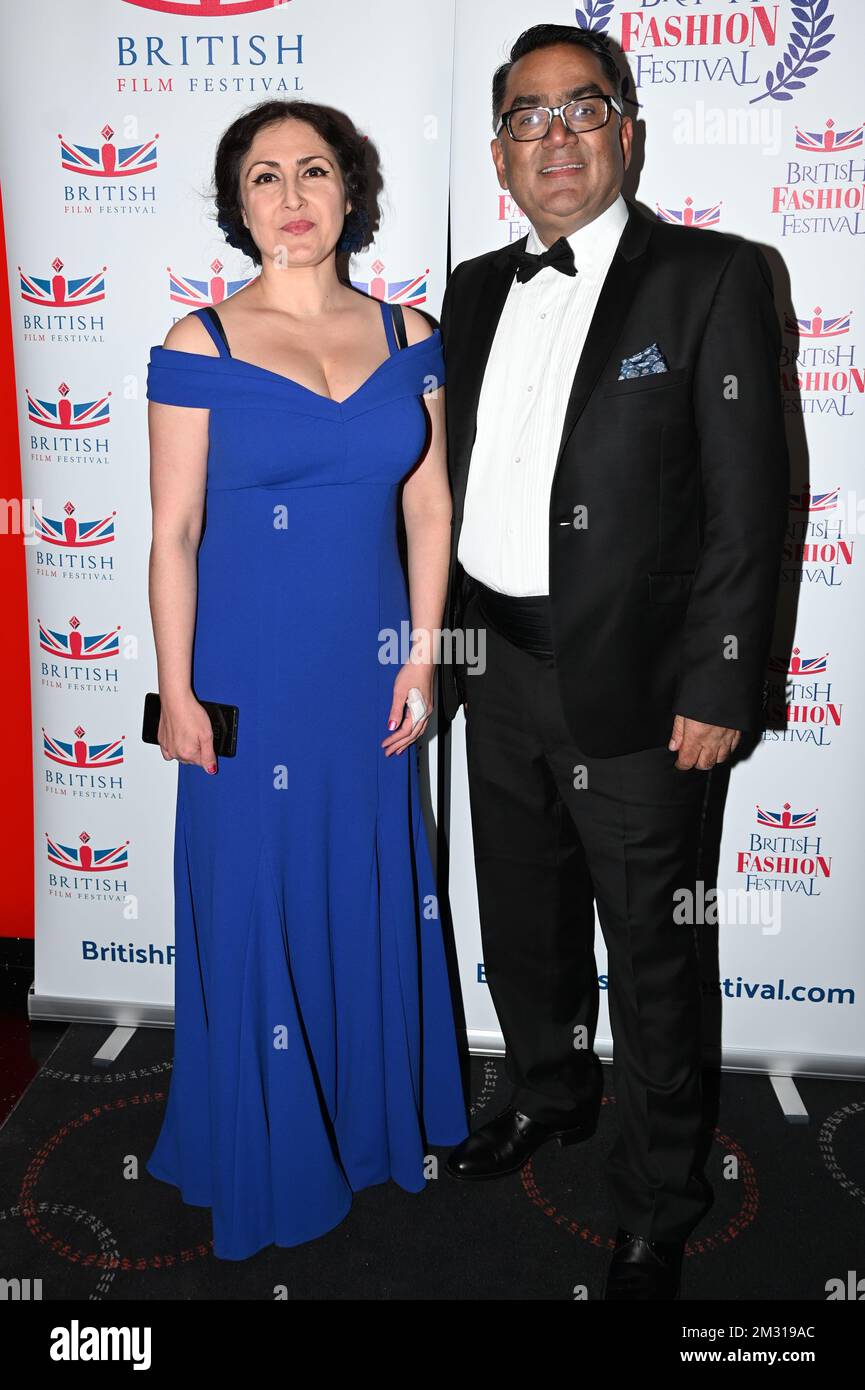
(508, 1141)
(643, 1268)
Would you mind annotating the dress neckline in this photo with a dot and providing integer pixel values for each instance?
(289, 380)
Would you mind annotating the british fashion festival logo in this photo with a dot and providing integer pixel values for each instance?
(823, 191)
(689, 216)
(802, 701)
(819, 374)
(785, 855)
(753, 46)
(819, 545)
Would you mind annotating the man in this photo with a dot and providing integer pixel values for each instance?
(619, 475)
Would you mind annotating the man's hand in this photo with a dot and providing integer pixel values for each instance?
(701, 745)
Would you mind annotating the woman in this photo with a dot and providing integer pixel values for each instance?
(315, 1051)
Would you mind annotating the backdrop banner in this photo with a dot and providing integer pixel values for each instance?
(109, 243)
(747, 121)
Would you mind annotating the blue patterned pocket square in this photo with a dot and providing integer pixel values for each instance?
(644, 363)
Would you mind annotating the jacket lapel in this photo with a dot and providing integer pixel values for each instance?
(617, 294)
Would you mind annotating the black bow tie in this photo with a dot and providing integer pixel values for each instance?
(560, 255)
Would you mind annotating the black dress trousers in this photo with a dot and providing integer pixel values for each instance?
(554, 831)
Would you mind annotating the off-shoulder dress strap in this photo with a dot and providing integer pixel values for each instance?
(394, 326)
(212, 322)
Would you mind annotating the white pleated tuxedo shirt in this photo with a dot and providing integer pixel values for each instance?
(504, 537)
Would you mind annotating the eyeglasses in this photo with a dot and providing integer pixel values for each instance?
(580, 116)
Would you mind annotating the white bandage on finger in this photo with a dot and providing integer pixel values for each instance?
(416, 704)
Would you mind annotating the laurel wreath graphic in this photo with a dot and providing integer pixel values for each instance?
(597, 14)
(807, 47)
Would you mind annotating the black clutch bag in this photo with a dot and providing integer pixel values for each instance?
(223, 721)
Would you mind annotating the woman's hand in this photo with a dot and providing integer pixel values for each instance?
(186, 733)
(413, 674)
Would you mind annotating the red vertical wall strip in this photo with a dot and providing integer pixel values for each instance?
(16, 776)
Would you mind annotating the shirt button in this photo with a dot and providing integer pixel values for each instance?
(530, 388)
(517, 459)
(510, 530)
(543, 316)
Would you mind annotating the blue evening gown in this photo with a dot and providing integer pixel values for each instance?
(314, 1050)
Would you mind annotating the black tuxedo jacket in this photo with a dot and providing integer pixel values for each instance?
(663, 602)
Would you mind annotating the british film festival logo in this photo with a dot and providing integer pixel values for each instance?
(207, 9)
(60, 302)
(79, 768)
(194, 293)
(108, 173)
(86, 871)
(819, 375)
(210, 60)
(79, 660)
(197, 293)
(783, 856)
(72, 550)
(68, 427)
(801, 697)
(411, 292)
(819, 545)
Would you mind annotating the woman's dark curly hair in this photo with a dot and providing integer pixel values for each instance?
(334, 127)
